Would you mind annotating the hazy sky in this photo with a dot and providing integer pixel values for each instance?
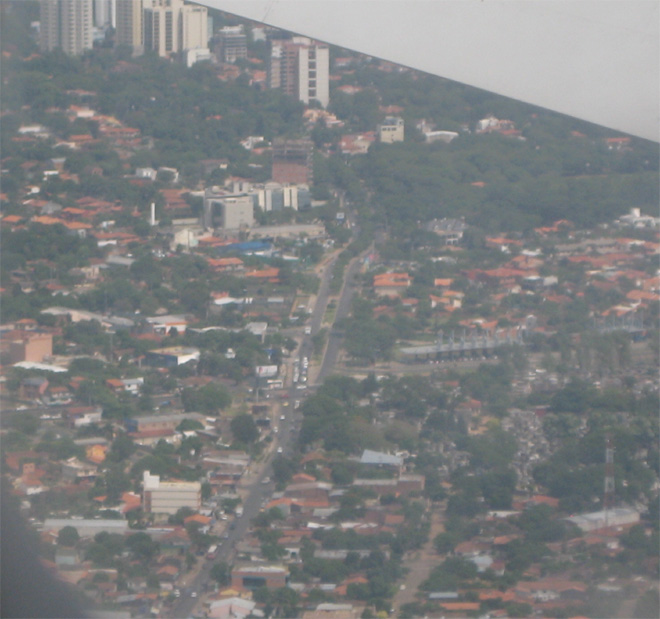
(598, 60)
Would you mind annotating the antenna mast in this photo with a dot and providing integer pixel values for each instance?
(608, 498)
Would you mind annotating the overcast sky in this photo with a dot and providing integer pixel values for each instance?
(598, 60)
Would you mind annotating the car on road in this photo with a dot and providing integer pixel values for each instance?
(265, 480)
(279, 450)
(282, 417)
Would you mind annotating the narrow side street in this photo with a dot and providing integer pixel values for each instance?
(419, 564)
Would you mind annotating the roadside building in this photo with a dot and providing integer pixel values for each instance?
(168, 497)
(171, 357)
(33, 346)
(257, 576)
(617, 517)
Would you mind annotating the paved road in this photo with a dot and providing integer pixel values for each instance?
(253, 490)
(420, 563)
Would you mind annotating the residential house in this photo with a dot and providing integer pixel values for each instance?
(391, 284)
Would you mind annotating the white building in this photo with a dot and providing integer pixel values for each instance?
(391, 130)
(104, 13)
(168, 497)
(617, 517)
(171, 27)
(228, 211)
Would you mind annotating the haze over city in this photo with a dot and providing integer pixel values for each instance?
(294, 325)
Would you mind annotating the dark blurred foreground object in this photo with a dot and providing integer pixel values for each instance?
(28, 588)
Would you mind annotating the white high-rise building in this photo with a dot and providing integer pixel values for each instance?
(66, 25)
(104, 13)
(300, 68)
(171, 26)
(194, 27)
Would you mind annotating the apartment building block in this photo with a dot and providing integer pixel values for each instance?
(300, 68)
(130, 30)
(66, 25)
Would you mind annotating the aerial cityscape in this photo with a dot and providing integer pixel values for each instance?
(291, 331)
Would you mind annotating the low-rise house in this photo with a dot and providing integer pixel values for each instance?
(391, 284)
(551, 589)
(75, 470)
(78, 416)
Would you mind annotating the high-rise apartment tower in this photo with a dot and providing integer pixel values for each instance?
(171, 26)
(301, 69)
(130, 29)
(66, 25)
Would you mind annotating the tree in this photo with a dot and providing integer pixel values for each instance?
(209, 399)
(122, 448)
(244, 428)
(142, 546)
(68, 536)
(26, 423)
(576, 397)
(221, 573)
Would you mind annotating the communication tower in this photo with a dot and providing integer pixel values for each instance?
(608, 497)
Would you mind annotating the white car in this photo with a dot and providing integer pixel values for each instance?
(279, 450)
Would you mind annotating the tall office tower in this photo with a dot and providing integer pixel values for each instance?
(232, 44)
(104, 13)
(130, 25)
(66, 24)
(161, 32)
(301, 69)
(170, 27)
(293, 161)
(194, 27)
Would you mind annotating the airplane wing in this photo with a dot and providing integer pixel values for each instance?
(592, 59)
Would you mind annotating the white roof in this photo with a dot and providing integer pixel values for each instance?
(377, 457)
(33, 365)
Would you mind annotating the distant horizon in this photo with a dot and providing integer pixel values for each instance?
(596, 61)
